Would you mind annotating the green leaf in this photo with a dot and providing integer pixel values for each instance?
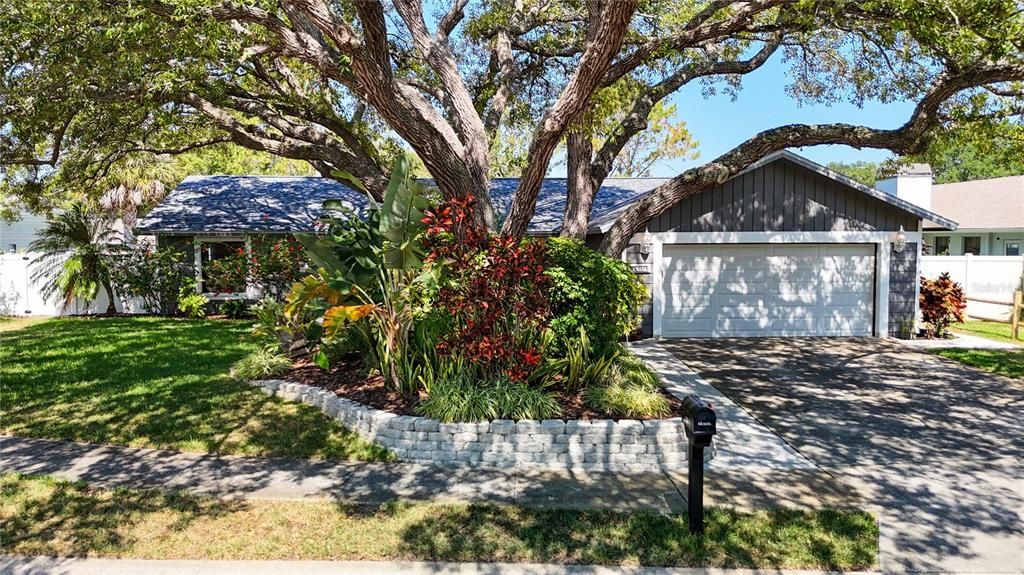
(356, 182)
(400, 217)
(321, 360)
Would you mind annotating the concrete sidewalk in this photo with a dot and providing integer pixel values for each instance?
(53, 566)
(374, 483)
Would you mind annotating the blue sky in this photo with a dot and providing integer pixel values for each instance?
(719, 123)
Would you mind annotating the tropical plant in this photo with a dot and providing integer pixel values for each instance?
(154, 276)
(261, 364)
(493, 288)
(370, 275)
(591, 291)
(580, 367)
(75, 259)
(942, 303)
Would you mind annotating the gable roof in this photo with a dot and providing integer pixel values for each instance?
(278, 204)
(604, 223)
(996, 203)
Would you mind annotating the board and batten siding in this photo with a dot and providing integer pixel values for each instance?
(633, 257)
(903, 279)
(782, 197)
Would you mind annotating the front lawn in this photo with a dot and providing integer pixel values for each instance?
(44, 516)
(154, 382)
(987, 329)
(1006, 362)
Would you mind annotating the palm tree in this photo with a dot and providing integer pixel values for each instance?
(73, 262)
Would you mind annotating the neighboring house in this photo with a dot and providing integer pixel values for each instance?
(785, 248)
(990, 214)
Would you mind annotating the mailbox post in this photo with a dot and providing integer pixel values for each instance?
(699, 421)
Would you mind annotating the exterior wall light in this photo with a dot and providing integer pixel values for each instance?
(899, 242)
(645, 242)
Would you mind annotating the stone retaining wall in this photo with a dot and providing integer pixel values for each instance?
(597, 445)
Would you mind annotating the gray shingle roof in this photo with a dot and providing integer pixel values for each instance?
(262, 204)
(996, 203)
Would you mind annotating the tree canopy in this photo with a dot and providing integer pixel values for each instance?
(346, 85)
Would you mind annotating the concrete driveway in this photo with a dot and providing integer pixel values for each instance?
(937, 447)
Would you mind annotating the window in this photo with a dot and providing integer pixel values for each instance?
(972, 245)
(942, 245)
(225, 282)
(1013, 247)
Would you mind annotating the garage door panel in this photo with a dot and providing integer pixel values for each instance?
(768, 290)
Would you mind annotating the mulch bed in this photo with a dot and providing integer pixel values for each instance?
(349, 379)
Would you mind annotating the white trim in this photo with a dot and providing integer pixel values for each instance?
(881, 240)
(883, 261)
(657, 301)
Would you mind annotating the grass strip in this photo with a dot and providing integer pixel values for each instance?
(46, 516)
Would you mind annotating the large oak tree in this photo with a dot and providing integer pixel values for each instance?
(345, 85)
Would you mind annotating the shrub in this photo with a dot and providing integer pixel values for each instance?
(193, 305)
(942, 303)
(234, 309)
(270, 265)
(154, 276)
(261, 364)
(494, 289)
(589, 290)
(466, 397)
(620, 397)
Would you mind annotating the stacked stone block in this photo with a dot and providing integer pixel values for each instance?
(595, 445)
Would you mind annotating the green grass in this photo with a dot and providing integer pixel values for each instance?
(155, 382)
(44, 516)
(987, 329)
(1006, 362)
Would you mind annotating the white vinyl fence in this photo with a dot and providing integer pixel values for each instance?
(19, 295)
(992, 278)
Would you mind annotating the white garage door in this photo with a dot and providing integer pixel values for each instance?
(761, 290)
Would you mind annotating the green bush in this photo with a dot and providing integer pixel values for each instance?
(193, 305)
(234, 309)
(465, 397)
(620, 397)
(260, 365)
(590, 290)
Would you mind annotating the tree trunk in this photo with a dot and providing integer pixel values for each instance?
(607, 28)
(581, 186)
(111, 308)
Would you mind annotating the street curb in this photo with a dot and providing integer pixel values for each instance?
(16, 565)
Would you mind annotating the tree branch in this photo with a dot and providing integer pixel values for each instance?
(608, 25)
(905, 140)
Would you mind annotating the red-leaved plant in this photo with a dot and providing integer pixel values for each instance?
(494, 288)
(942, 302)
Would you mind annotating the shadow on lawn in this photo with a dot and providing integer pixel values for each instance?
(154, 382)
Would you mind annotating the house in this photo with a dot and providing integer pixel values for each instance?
(990, 214)
(785, 248)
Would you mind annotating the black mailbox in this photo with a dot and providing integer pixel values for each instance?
(699, 421)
